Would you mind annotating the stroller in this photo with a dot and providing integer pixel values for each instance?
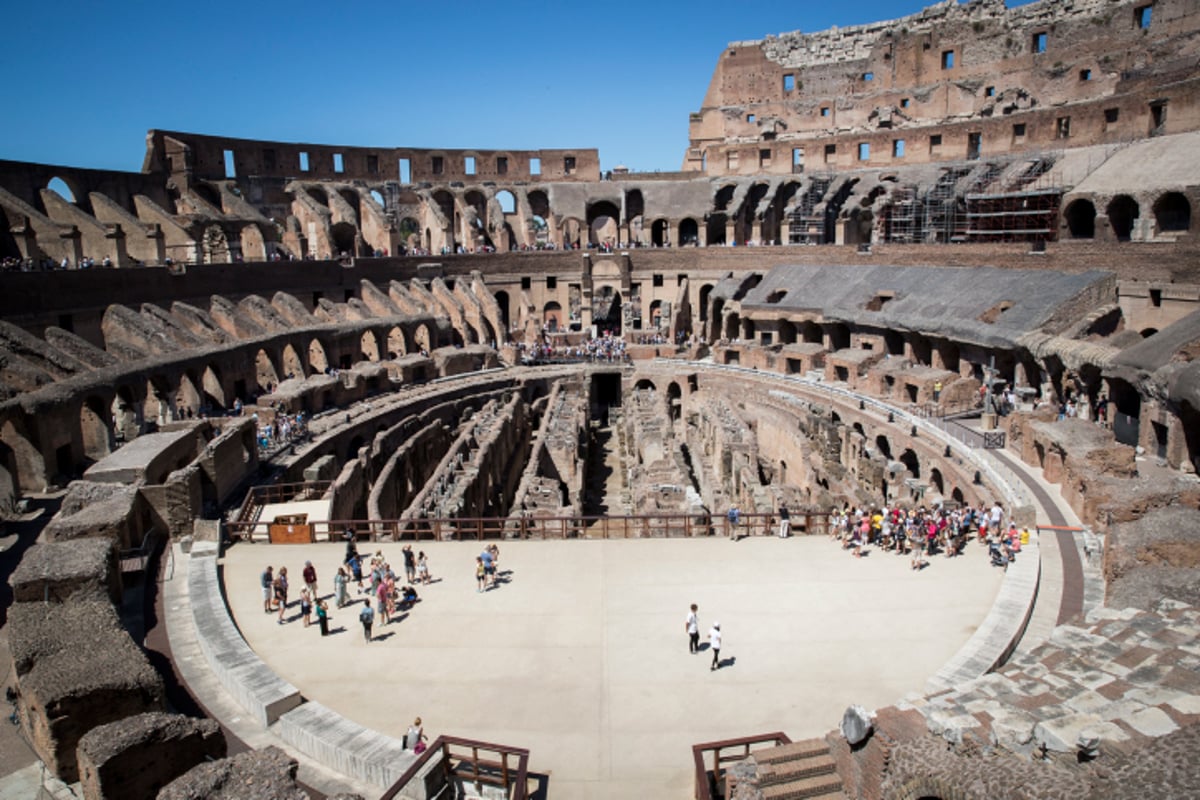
(998, 556)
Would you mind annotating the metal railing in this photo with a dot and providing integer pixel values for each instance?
(638, 526)
(469, 761)
(267, 493)
(708, 783)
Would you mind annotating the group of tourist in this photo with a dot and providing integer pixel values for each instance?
(283, 429)
(607, 348)
(486, 564)
(925, 532)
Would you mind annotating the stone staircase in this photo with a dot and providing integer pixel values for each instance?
(794, 771)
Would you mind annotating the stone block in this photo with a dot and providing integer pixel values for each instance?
(58, 571)
(137, 756)
(1061, 735)
(1151, 722)
(77, 668)
(267, 774)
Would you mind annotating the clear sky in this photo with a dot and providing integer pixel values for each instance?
(84, 80)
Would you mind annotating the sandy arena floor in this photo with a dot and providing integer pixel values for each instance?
(581, 655)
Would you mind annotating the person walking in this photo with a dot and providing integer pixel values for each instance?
(734, 516)
(310, 578)
(480, 574)
(422, 567)
(714, 643)
(323, 617)
(785, 522)
(367, 618)
(692, 626)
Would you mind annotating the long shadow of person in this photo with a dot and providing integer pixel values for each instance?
(726, 662)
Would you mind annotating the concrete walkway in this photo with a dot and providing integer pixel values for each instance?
(581, 655)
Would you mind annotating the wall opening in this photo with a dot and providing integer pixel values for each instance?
(230, 166)
(1123, 212)
(1081, 219)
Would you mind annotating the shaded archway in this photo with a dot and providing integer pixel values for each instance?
(423, 339)
(1173, 213)
(883, 446)
(603, 222)
(293, 365)
(658, 233)
(1123, 212)
(552, 319)
(95, 429)
(715, 234)
(502, 302)
(909, 459)
(606, 310)
(254, 246)
(61, 188)
(705, 293)
(187, 397)
(689, 232)
(28, 466)
(343, 236)
(1081, 219)
(213, 390)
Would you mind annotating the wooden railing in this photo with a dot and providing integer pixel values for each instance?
(268, 493)
(642, 526)
(708, 784)
(469, 761)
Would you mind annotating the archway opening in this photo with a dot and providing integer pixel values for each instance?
(343, 236)
(96, 429)
(213, 391)
(910, 461)
(60, 188)
(396, 344)
(658, 233)
(1123, 212)
(1173, 213)
(689, 232)
(265, 374)
(293, 366)
(317, 360)
(368, 346)
(1081, 219)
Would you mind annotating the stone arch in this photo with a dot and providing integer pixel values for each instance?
(1173, 213)
(749, 330)
(410, 234)
(293, 365)
(957, 496)
(95, 428)
(213, 390)
(61, 187)
(716, 320)
(733, 325)
(689, 232)
(379, 199)
(507, 201)
(187, 396)
(1123, 212)
(353, 200)
(572, 230)
(723, 197)
(539, 203)
(265, 374)
(913, 464)
(343, 237)
(397, 345)
(209, 194)
(658, 232)
(423, 339)
(552, 316)
(28, 466)
(787, 332)
(603, 222)
(715, 233)
(937, 481)
(126, 414)
(655, 313)
(883, 446)
(1081, 219)
(503, 302)
(645, 384)
(254, 244)
(318, 361)
(318, 194)
(368, 345)
(157, 405)
(705, 293)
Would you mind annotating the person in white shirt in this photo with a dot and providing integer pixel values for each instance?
(714, 642)
(692, 626)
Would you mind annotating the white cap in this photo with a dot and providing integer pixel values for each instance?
(716, 625)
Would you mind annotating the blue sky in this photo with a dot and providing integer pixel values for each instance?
(84, 80)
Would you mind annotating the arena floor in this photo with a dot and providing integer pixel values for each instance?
(581, 656)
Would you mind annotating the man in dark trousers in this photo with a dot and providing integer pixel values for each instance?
(692, 626)
(367, 618)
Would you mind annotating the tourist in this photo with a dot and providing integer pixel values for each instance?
(410, 564)
(480, 574)
(422, 567)
(281, 592)
(785, 522)
(339, 588)
(415, 738)
(408, 597)
(917, 538)
(355, 564)
(714, 643)
(489, 567)
(733, 517)
(367, 618)
(384, 601)
(692, 626)
(323, 617)
(310, 577)
(267, 579)
(305, 606)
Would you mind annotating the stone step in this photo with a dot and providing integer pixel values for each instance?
(806, 748)
(804, 789)
(786, 771)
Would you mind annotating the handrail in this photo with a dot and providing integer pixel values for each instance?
(632, 526)
(512, 780)
(699, 751)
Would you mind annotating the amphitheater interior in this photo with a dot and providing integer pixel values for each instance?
(942, 261)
